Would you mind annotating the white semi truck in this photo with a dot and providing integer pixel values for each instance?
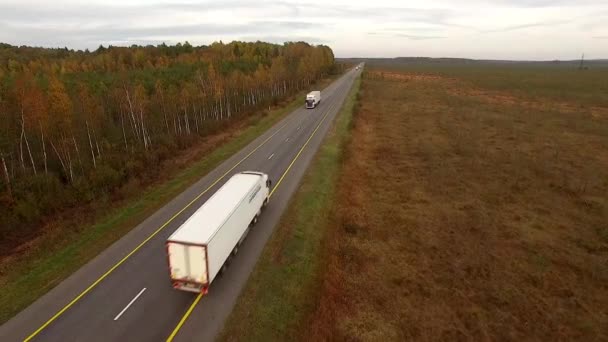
(199, 249)
(313, 98)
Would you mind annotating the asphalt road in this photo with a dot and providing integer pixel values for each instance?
(125, 294)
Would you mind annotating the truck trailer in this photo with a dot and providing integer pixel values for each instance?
(313, 98)
(199, 249)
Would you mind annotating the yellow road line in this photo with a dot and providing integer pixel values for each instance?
(198, 298)
(147, 239)
(181, 322)
(299, 152)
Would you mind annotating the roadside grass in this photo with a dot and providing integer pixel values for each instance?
(59, 253)
(281, 290)
(458, 218)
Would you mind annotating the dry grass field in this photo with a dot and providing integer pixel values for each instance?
(469, 213)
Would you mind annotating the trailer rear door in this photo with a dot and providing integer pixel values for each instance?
(187, 262)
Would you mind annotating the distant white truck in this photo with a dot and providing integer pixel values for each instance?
(313, 98)
(200, 248)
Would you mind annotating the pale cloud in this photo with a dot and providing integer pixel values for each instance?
(405, 35)
(529, 25)
(509, 29)
(413, 37)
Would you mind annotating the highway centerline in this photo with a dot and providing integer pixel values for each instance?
(300, 152)
(130, 303)
(272, 155)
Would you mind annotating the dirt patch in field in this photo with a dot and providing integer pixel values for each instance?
(501, 98)
(466, 220)
(388, 75)
(461, 88)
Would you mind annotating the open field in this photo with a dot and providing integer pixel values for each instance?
(482, 215)
(471, 205)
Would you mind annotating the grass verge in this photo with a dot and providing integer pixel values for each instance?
(26, 278)
(278, 294)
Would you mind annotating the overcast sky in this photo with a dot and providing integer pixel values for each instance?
(498, 29)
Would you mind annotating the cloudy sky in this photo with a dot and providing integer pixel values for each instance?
(499, 29)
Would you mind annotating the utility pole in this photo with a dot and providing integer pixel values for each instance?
(582, 60)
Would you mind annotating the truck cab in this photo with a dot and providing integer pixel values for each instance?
(312, 99)
(263, 175)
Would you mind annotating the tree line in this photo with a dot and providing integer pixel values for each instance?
(76, 125)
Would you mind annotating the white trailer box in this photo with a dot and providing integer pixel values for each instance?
(199, 248)
(313, 98)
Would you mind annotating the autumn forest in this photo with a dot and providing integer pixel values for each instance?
(76, 125)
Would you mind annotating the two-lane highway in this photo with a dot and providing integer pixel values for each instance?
(125, 292)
